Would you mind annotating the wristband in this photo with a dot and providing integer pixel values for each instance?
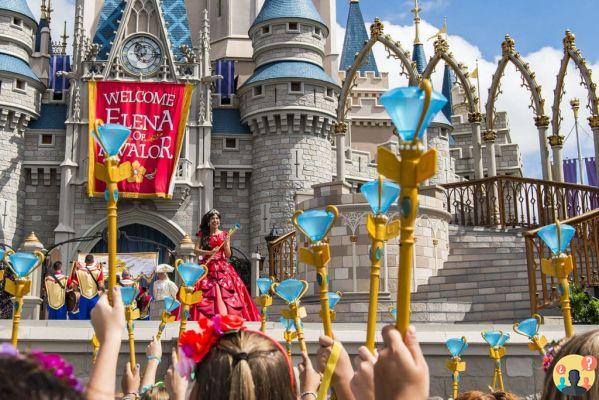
(150, 358)
(308, 393)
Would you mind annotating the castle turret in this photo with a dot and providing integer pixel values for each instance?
(289, 104)
(355, 37)
(418, 55)
(20, 91)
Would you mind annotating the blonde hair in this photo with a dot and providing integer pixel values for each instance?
(583, 344)
(156, 393)
(244, 366)
(477, 395)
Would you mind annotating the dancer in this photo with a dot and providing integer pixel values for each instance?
(55, 284)
(223, 290)
(88, 278)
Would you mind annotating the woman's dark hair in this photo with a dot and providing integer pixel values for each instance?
(244, 366)
(205, 229)
(56, 266)
(26, 379)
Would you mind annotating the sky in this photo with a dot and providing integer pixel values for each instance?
(476, 29)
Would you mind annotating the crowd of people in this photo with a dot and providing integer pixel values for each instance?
(223, 360)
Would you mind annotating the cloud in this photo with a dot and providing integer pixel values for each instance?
(64, 10)
(514, 99)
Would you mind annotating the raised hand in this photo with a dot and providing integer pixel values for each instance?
(362, 383)
(108, 321)
(400, 373)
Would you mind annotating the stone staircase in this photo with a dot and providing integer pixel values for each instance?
(484, 279)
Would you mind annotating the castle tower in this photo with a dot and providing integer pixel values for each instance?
(289, 104)
(418, 55)
(355, 37)
(20, 88)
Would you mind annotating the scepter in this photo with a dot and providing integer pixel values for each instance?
(170, 305)
(315, 225)
(128, 294)
(22, 266)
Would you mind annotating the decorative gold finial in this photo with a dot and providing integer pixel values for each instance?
(43, 10)
(441, 46)
(416, 10)
(186, 240)
(508, 45)
(376, 29)
(569, 41)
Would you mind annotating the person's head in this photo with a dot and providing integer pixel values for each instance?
(89, 259)
(583, 344)
(244, 365)
(125, 274)
(161, 276)
(210, 221)
(57, 267)
(477, 395)
(156, 392)
(26, 378)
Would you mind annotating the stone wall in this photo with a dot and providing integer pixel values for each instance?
(280, 44)
(284, 167)
(42, 187)
(232, 199)
(12, 186)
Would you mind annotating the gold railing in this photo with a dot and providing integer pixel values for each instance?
(281, 257)
(506, 201)
(584, 248)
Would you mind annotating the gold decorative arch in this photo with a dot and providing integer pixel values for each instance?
(571, 52)
(537, 102)
(461, 71)
(394, 49)
(509, 54)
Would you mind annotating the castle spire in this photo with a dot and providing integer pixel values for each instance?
(418, 55)
(416, 10)
(64, 38)
(355, 37)
(49, 11)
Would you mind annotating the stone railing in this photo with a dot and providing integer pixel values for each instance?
(507, 201)
(584, 248)
(184, 170)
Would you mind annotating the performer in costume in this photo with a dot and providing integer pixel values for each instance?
(88, 278)
(56, 284)
(162, 287)
(223, 290)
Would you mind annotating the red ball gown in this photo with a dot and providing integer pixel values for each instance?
(223, 290)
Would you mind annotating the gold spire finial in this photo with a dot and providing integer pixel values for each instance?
(416, 10)
(44, 10)
(64, 38)
(186, 240)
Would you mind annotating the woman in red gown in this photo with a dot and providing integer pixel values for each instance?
(223, 290)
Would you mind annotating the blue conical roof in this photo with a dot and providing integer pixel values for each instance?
(446, 90)
(419, 57)
(17, 6)
(355, 37)
(275, 9)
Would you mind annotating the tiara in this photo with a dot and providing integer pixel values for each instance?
(53, 363)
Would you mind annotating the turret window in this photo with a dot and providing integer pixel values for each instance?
(296, 87)
(231, 144)
(46, 140)
(258, 91)
(330, 93)
(292, 27)
(17, 22)
(20, 85)
(317, 31)
(266, 30)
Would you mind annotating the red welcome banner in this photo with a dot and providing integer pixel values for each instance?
(157, 114)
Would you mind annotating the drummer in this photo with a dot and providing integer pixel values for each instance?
(163, 286)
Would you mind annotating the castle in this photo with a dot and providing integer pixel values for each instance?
(260, 139)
